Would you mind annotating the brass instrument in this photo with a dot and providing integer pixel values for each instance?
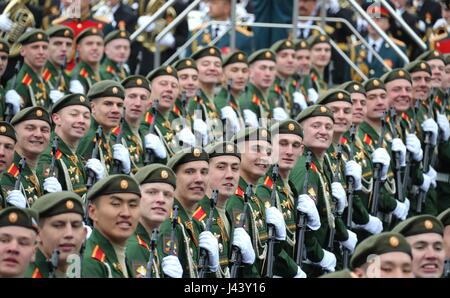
(148, 38)
(22, 18)
(439, 39)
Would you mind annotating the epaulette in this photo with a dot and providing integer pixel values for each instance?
(142, 242)
(199, 213)
(98, 254)
(101, 19)
(244, 31)
(59, 20)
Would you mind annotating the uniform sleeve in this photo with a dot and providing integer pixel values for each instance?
(360, 214)
(164, 241)
(92, 268)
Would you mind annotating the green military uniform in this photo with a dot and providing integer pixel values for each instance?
(179, 110)
(68, 165)
(50, 205)
(8, 131)
(110, 70)
(30, 185)
(101, 258)
(83, 72)
(139, 244)
(444, 217)
(318, 83)
(4, 47)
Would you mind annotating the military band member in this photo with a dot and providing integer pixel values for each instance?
(320, 58)
(90, 45)
(114, 209)
(157, 184)
(71, 117)
(18, 234)
(255, 103)
(191, 168)
(117, 53)
(28, 88)
(59, 50)
(32, 126)
(106, 99)
(189, 85)
(385, 255)
(425, 235)
(61, 235)
(4, 52)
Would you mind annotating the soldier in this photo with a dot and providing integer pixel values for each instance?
(157, 183)
(32, 126)
(117, 52)
(59, 47)
(137, 96)
(114, 209)
(89, 44)
(61, 235)
(386, 255)
(236, 75)
(191, 168)
(71, 116)
(7, 142)
(255, 103)
(189, 85)
(303, 75)
(4, 52)
(425, 235)
(224, 163)
(320, 58)
(28, 88)
(18, 232)
(444, 217)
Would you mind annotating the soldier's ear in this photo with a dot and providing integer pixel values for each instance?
(56, 118)
(22, 50)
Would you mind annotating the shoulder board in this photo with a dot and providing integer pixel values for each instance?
(59, 20)
(84, 73)
(142, 242)
(116, 130)
(199, 214)
(36, 273)
(314, 168)
(268, 182)
(367, 139)
(101, 19)
(244, 31)
(27, 79)
(239, 192)
(98, 254)
(13, 170)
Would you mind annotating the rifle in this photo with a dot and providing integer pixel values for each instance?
(296, 108)
(397, 166)
(183, 108)
(406, 178)
(350, 191)
(149, 155)
(203, 260)
(95, 153)
(149, 273)
(117, 167)
(330, 245)
(225, 123)
(172, 233)
(377, 169)
(271, 228)
(281, 95)
(53, 263)
(9, 108)
(22, 164)
(236, 256)
(301, 217)
(197, 134)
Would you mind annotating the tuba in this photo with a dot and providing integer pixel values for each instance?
(22, 18)
(147, 39)
(439, 39)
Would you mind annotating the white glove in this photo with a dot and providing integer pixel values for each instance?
(300, 273)
(242, 240)
(154, 142)
(333, 6)
(96, 166)
(88, 231)
(13, 98)
(426, 183)
(381, 156)
(433, 175)
(338, 192)
(76, 87)
(143, 20)
(300, 99)
(274, 217)
(5, 23)
(328, 261)
(250, 118)
(430, 125)
(51, 184)
(401, 210)
(306, 205)
(55, 95)
(121, 153)
(313, 96)
(398, 146)
(374, 226)
(171, 267)
(16, 198)
(413, 145)
(186, 136)
(201, 127)
(229, 114)
(280, 114)
(168, 40)
(444, 126)
(210, 243)
(353, 169)
(350, 243)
